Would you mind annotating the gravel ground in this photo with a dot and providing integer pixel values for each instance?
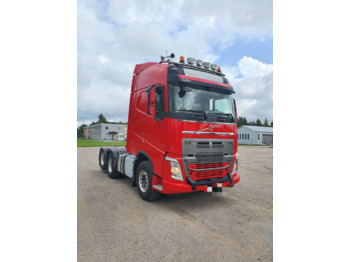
(115, 224)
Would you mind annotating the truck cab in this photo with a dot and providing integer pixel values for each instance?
(182, 130)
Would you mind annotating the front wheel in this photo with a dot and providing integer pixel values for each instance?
(144, 178)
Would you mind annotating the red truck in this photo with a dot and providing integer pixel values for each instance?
(182, 130)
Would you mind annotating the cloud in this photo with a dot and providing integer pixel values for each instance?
(114, 36)
(253, 83)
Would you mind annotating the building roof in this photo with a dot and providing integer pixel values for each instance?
(109, 124)
(260, 128)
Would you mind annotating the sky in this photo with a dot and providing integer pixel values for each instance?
(114, 36)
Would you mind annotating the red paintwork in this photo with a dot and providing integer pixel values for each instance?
(204, 80)
(160, 138)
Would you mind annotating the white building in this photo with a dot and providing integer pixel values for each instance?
(106, 131)
(255, 135)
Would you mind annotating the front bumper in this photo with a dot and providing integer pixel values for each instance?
(173, 187)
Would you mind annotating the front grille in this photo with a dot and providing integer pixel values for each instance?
(210, 158)
(196, 173)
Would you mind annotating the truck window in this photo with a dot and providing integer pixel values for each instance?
(159, 103)
(222, 106)
(193, 102)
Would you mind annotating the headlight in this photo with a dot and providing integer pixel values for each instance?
(175, 169)
(235, 166)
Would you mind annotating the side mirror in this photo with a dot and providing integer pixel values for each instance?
(152, 102)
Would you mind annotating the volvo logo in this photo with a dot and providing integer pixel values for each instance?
(211, 127)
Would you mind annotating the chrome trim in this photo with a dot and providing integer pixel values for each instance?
(221, 123)
(207, 133)
(193, 67)
(143, 181)
(159, 187)
(210, 127)
(209, 169)
(171, 159)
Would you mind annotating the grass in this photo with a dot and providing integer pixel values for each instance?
(98, 143)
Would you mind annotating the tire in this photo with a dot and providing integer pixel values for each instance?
(111, 166)
(102, 161)
(144, 178)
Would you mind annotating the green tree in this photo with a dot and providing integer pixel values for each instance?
(241, 121)
(80, 131)
(101, 119)
(266, 123)
(271, 123)
(258, 122)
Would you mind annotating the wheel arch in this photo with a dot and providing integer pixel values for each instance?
(140, 157)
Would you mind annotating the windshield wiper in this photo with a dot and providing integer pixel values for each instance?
(203, 113)
(220, 115)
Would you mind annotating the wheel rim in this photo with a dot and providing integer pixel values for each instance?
(102, 160)
(110, 165)
(143, 181)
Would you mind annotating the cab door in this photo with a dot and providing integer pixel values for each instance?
(155, 131)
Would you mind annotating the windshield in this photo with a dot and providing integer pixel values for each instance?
(193, 102)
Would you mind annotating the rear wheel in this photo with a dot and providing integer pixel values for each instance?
(144, 178)
(102, 160)
(111, 167)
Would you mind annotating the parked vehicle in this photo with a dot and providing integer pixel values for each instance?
(182, 130)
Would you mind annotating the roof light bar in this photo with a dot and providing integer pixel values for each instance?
(214, 66)
(191, 60)
(206, 65)
(199, 63)
(182, 59)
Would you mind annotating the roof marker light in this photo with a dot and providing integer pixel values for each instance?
(182, 59)
(199, 62)
(214, 66)
(206, 65)
(191, 60)
(219, 69)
